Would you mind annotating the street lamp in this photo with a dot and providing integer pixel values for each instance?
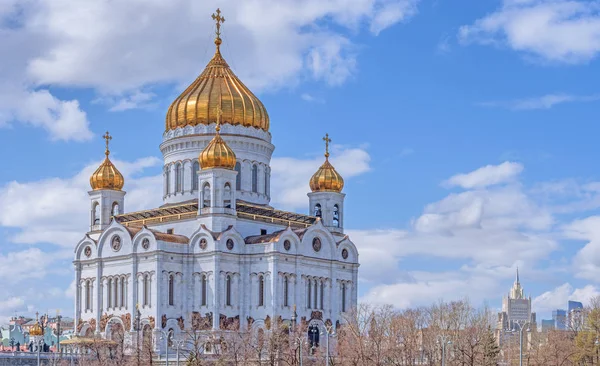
(444, 340)
(300, 341)
(521, 326)
(165, 336)
(138, 316)
(329, 331)
(58, 318)
(178, 345)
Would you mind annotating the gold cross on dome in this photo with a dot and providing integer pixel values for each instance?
(218, 20)
(107, 137)
(327, 141)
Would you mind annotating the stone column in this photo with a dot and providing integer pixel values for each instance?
(216, 293)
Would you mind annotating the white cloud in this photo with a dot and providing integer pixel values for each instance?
(558, 297)
(565, 31)
(290, 176)
(10, 305)
(544, 102)
(311, 98)
(487, 176)
(58, 211)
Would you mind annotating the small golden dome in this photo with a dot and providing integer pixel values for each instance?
(107, 176)
(217, 153)
(36, 329)
(217, 86)
(326, 179)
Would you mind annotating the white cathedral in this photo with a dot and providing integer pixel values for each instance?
(215, 255)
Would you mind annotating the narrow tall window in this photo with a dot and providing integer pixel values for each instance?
(122, 304)
(317, 210)
(87, 295)
(167, 180)
(96, 214)
(206, 195)
(238, 177)
(178, 174)
(343, 297)
(115, 292)
(145, 288)
(227, 196)
(228, 290)
(336, 216)
(315, 299)
(266, 182)
(109, 293)
(195, 169)
(261, 291)
(309, 293)
(203, 289)
(254, 178)
(285, 291)
(322, 295)
(171, 289)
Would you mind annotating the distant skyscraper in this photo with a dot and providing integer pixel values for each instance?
(576, 315)
(516, 308)
(547, 325)
(559, 317)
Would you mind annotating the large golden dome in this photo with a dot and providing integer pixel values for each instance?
(36, 329)
(217, 153)
(217, 86)
(326, 179)
(107, 176)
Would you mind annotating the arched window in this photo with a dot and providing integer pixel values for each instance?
(343, 297)
(206, 195)
(267, 182)
(336, 216)
(146, 289)
(195, 169)
(315, 297)
(309, 292)
(317, 211)
(203, 289)
(238, 177)
(228, 290)
(171, 290)
(286, 286)
(261, 290)
(227, 196)
(178, 174)
(168, 180)
(254, 178)
(96, 213)
(115, 210)
(109, 293)
(122, 304)
(322, 294)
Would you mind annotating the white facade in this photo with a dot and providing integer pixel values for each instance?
(213, 257)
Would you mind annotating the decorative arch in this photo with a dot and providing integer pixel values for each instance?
(238, 178)
(255, 178)
(95, 213)
(206, 198)
(195, 170)
(115, 209)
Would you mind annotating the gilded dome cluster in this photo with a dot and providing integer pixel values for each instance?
(217, 87)
(326, 178)
(107, 176)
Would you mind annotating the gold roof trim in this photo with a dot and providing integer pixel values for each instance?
(217, 87)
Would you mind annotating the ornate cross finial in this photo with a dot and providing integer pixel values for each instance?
(107, 137)
(219, 114)
(218, 20)
(37, 315)
(327, 141)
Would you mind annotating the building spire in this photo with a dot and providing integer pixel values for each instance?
(218, 20)
(517, 280)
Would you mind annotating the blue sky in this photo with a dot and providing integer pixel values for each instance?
(466, 131)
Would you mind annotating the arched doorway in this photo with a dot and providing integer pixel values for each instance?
(117, 335)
